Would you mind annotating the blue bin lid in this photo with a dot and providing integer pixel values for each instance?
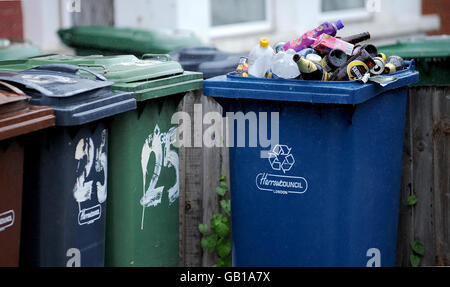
(207, 59)
(75, 99)
(327, 92)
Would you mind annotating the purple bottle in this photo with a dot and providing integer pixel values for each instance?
(307, 39)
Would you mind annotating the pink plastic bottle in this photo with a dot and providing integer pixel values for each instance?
(307, 39)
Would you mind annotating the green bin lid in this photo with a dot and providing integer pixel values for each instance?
(151, 77)
(119, 69)
(106, 39)
(426, 47)
(162, 87)
(13, 50)
(432, 55)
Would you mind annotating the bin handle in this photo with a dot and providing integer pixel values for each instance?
(69, 68)
(42, 55)
(13, 88)
(105, 70)
(165, 56)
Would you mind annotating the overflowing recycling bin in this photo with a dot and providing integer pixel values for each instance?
(143, 164)
(207, 59)
(17, 119)
(65, 167)
(326, 191)
(105, 40)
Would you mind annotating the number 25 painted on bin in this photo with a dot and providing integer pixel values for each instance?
(163, 157)
(82, 190)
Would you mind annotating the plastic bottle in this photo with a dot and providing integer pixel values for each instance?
(283, 65)
(279, 47)
(307, 39)
(314, 58)
(259, 58)
(305, 52)
(354, 39)
(310, 70)
(242, 68)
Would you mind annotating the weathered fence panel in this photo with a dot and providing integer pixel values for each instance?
(426, 174)
(200, 170)
(95, 12)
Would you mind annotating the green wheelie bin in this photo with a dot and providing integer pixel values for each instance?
(17, 50)
(105, 40)
(431, 55)
(143, 186)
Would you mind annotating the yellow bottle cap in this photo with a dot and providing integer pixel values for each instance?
(264, 42)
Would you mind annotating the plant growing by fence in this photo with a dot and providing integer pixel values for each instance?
(217, 235)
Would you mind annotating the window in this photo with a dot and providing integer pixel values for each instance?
(344, 9)
(333, 5)
(233, 17)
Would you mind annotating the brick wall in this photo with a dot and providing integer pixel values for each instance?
(441, 7)
(11, 26)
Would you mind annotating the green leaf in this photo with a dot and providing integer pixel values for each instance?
(221, 191)
(228, 262)
(203, 228)
(417, 247)
(412, 200)
(220, 262)
(223, 248)
(223, 177)
(415, 260)
(215, 221)
(226, 205)
(211, 241)
(222, 229)
(223, 185)
(204, 242)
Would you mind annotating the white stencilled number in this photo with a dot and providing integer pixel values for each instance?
(84, 154)
(375, 257)
(101, 163)
(88, 156)
(74, 255)
(171, 159)
(163, 157)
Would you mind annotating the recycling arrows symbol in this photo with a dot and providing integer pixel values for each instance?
(280, 158)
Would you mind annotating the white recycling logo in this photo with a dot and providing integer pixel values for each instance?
(280, 158)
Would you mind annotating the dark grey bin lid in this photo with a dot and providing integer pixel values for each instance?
(75, 99)
(207, 59)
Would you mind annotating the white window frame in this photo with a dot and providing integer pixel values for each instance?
(347, 15)
(242, 28)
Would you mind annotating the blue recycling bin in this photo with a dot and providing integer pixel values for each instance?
(327, 192)
(65, 166)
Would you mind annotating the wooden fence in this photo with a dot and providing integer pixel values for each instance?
(426, 174)
(200, 170)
